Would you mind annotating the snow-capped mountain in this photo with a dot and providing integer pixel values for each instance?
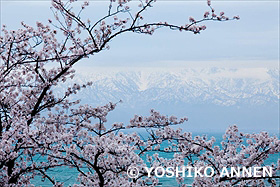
(219, 86)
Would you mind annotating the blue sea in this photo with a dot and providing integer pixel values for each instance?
(69, 175)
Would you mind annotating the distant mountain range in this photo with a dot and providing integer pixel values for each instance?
(212, 98)
(219, 86)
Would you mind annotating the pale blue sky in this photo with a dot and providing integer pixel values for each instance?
(255, 37)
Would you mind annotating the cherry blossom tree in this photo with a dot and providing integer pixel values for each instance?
(36, 122)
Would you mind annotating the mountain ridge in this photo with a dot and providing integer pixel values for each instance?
(219, 86)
